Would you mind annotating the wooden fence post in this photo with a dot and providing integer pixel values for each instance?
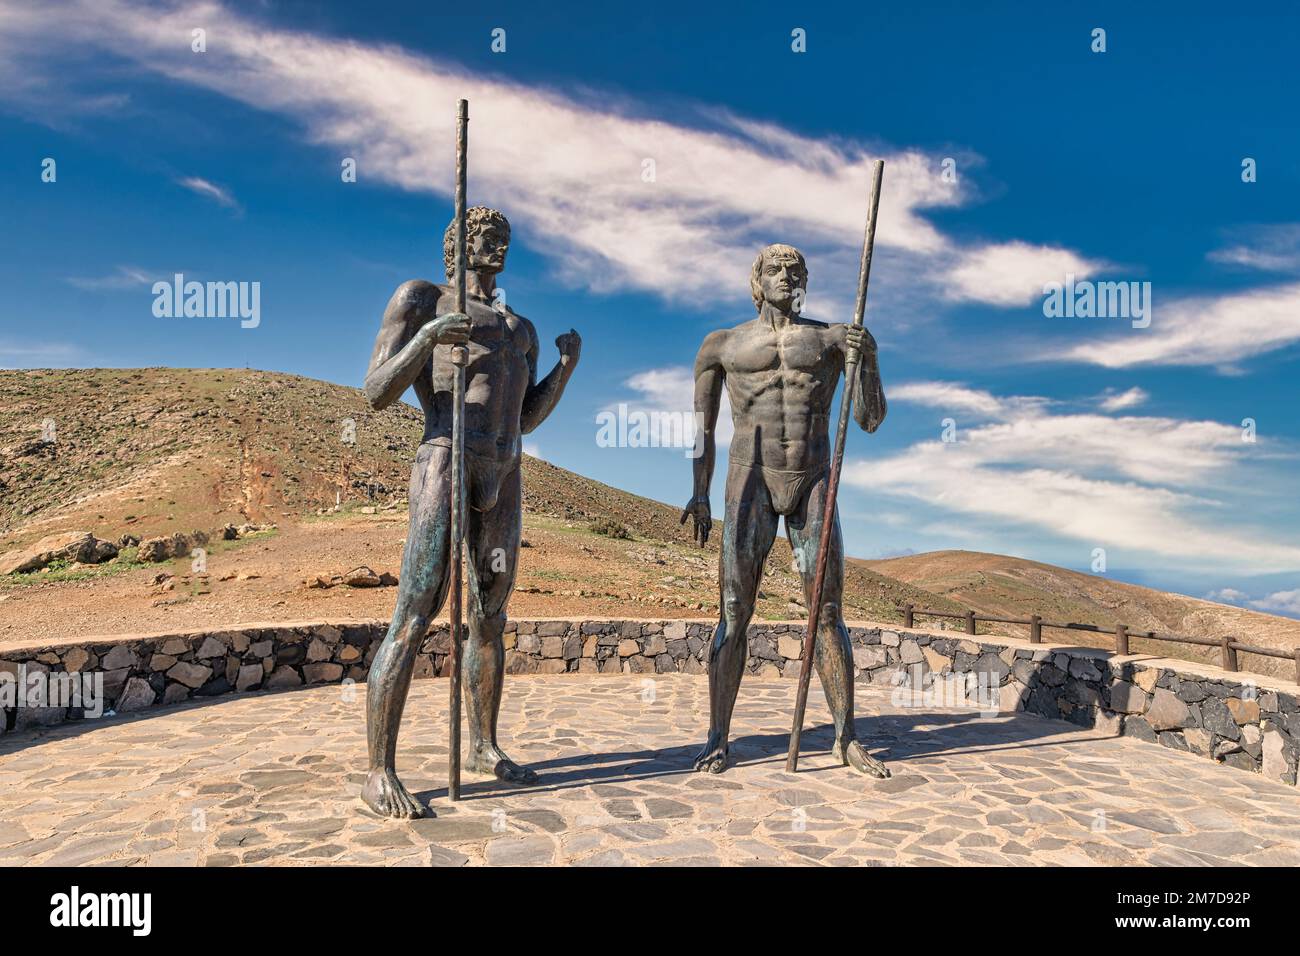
(1035, 629)
(1229, 654)
(970, 622)
(909, 611)
(1121, 639)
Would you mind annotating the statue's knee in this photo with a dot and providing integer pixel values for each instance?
(734, 609)
(412, 632)
(830, 615)
(488, 627)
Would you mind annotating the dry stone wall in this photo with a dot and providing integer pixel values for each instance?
(1225, 717)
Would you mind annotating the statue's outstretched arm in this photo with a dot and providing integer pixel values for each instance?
(541, 397)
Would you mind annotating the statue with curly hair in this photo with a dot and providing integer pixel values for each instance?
(503, 401)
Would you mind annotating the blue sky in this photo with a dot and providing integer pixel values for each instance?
(1072, 434)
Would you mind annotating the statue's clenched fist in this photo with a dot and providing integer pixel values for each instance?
(570, 346)
(857, 340)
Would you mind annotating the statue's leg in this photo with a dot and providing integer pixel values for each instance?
(834, 653)
(493, 538)
(420, 594)
(748, 531)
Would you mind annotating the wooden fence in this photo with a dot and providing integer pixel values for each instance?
(1228, 647)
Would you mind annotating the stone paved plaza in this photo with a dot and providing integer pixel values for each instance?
(274, 777)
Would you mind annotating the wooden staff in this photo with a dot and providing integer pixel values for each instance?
(459, 359)
(833, 485)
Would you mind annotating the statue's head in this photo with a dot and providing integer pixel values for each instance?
(778, 271)
(487, 239)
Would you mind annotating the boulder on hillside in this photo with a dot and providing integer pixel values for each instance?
(176, 545)
(78, 546)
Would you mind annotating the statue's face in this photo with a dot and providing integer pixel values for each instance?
(485, 249)
(779, 278)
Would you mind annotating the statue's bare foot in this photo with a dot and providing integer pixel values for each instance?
(713, 758)
(488, 758)
(384, 794)
(855, 755)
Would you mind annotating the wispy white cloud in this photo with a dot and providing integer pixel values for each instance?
(569, 172)
(672, 390)
(1280, 602)
(1144, 484)
(1013, 273)
(1214, 330)
(32, 354)
(953, 397)
(1118, 401)
(1273, 248)
(123, 277)
(209, 190)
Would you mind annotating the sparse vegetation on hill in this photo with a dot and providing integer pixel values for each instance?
(144, 453)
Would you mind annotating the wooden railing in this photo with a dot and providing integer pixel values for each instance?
(1228, 647)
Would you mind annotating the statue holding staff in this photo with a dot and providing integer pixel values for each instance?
(780, 371)
(502, 401)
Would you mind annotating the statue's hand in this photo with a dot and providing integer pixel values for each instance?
(856, 341)
(698, 509)
(570, 346)
(450, 329)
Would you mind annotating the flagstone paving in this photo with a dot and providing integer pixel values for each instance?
(273, 778)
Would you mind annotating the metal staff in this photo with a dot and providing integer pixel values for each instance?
(833, 485)
(459, 359)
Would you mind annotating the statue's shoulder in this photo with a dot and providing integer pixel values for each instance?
(814, 324)
(419, 293)
(716, 341)
(722, 336)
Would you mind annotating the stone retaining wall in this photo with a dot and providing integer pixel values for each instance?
(1231, 718)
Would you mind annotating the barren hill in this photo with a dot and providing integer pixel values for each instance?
(1014, 587)
(160, 451)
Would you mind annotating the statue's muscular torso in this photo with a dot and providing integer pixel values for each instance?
(781, 384)
(502, 356)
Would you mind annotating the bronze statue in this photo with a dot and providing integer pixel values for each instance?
(503, 400)
(780, 371)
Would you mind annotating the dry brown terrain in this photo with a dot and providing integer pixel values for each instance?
(1014, 587)
(160, 451)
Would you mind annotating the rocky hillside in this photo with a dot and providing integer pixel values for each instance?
(1005, 586)
(150, 452)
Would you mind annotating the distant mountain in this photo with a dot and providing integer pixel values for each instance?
(1014, 587)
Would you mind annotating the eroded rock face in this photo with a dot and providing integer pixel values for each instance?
(80, 546)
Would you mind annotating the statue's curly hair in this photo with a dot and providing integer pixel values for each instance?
(475, 218)
(755, 275)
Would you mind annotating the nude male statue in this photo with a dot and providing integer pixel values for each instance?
(781, 372)
(503, 400)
